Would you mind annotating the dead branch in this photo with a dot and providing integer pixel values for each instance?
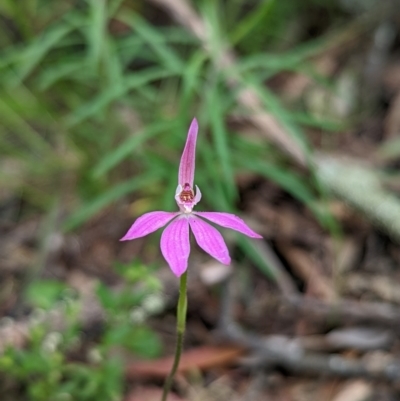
(304, 267)
(289, 353)
(344, 310)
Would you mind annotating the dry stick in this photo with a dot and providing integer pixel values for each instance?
(303, 266)
(344, 310)
(272, 351)
(15, 333)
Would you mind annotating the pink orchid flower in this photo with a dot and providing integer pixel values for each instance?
(175, 244)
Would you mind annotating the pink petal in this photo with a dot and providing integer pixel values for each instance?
(148, 223)
(229, 221)
(186, 167)
(175, 245)
(210, 240)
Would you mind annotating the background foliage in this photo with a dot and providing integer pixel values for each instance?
(95, 100)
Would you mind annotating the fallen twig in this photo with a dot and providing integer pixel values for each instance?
(348, 311)
(302, 264)
(283, 351)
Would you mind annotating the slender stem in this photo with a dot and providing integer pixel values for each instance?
(180, 331)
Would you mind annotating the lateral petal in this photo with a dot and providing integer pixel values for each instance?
(210, 240)
(228, 220)
(175, 245)
(187, 164)
(148, 223)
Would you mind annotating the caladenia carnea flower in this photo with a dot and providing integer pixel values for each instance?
(175, 244)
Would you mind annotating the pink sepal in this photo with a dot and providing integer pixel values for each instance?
(175, 245)
(148, 223)
(228, 220)
(210, 240)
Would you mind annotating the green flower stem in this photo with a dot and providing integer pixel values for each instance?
(180, 331)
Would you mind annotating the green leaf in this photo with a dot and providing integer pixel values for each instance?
(138, 339)
(273, 105)
(315, 122)
(191, 76)
(144, 342)
(217, 122)
(45, 293)
(126, 148)
(101, 101)
(155, 40)
(287, 180)
(97, 28)
(70, 69)
(252, 253)
(32, 55)
(106, 296)
(90, 208)
(254, 18)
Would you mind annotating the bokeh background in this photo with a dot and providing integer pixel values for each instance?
(298, 105)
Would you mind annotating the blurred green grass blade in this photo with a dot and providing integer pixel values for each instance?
(287, 60)
(20, 15)
(130, 48)
(21, 128)
(178, 35)
(131, 45)
(219, 202)
(311, 48)
(251, 251)
(112, 63)
(274, 106)
(217, 125)
(207, 178)
(126, 148)
(310, 71)
(247, 24)
(264, 61)
(50, 76)
(132, 81)
(114, 6)
(10, 55)
(96, 27)
(32, 55)
(167, 197)
(155, 40)
(192, 76)
(287, 180)
(274, 62)
(213, 16)
(90, 208)
(316, 122)
(291, 183)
